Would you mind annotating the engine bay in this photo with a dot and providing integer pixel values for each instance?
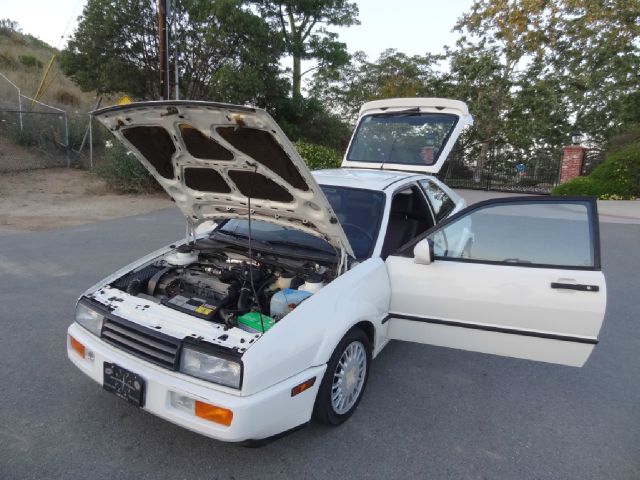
(227, 287)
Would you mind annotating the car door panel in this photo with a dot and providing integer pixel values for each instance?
(510, 311)
(550, 313)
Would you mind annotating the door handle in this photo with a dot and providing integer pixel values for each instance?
(576, 286)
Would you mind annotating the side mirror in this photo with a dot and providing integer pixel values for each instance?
(423, 252)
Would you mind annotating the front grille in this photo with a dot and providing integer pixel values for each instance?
(145, 343)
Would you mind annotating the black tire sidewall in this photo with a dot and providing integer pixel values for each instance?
(323, 409)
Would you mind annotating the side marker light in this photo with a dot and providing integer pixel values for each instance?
(306, 385)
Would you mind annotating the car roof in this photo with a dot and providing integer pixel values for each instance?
(362, 177)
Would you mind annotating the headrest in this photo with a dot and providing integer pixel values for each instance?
(402, 203)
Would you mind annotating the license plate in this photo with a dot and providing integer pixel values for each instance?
(124, 384)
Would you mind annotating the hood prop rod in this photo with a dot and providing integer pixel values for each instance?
(253, 288)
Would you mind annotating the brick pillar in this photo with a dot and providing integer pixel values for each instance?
(572, 158)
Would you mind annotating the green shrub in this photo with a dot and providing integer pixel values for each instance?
(77, 124)
(618, 177)
(318, 157)
(26, 136)
(7, 60)
(30, 61)
(577, 186)
(124, 173)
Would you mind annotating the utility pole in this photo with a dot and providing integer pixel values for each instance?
(176, 81)
(175, 70)
(163, 49)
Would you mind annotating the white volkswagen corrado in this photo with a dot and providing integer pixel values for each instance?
(269, 313)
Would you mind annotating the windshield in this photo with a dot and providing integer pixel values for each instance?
(359, 212)
(401, 137)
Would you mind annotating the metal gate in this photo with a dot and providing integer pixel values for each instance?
(500, 166)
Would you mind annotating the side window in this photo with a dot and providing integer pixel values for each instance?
(440, 202)
(534, 233)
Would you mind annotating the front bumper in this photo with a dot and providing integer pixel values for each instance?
(255, 417)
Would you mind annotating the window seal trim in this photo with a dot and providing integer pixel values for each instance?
(592, 214)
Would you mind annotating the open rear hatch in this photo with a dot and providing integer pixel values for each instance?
(213, 159)
(409, 134)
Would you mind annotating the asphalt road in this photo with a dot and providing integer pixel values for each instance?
(428, 412)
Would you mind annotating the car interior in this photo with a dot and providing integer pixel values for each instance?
(409, 217)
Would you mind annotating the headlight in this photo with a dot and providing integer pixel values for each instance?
(89, 318)
(211, 368)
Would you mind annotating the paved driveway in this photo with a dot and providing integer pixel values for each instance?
(428, 412)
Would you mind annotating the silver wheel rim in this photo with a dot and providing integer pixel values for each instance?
(348, 378)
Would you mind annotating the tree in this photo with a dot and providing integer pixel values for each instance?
(301, 26)
(587, 49)
(8, 25)
(393, 74)
(226, 52)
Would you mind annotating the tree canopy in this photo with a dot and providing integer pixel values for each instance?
(585, 51)
(303, 24)
(530, 70)
(225, 51)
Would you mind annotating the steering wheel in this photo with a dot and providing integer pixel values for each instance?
(358, 228)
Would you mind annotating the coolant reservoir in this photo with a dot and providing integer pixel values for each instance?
(286, 300)
(312, 284)
(284, 280)
(183, 255)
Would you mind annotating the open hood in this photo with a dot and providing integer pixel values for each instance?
(409, 134)
(211, 157)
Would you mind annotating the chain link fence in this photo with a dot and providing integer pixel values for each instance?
(24, 122)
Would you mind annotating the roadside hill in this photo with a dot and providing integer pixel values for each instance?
(24, 59)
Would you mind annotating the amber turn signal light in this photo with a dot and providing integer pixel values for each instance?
(303, 386)
(212, 413)
(77, 346)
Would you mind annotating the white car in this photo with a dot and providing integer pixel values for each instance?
(269, 313)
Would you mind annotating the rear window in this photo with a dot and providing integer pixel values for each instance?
(402, 138)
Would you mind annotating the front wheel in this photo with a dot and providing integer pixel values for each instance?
(344, 381)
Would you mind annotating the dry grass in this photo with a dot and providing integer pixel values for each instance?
(65, 97)
(61, 91)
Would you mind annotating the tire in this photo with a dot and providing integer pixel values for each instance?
(335, 404)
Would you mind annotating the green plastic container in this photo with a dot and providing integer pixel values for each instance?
(251, 322)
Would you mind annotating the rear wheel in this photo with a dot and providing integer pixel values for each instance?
(345, 379)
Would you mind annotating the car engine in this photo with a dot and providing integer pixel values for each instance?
(227, 287)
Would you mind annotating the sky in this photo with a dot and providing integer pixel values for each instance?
(414, 27)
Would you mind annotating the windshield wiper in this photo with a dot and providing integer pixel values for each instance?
(267, 244)
(286, 243)
(230, 234)
(235, 235)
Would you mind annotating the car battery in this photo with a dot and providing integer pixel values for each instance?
(197, 307)
(251, 322)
